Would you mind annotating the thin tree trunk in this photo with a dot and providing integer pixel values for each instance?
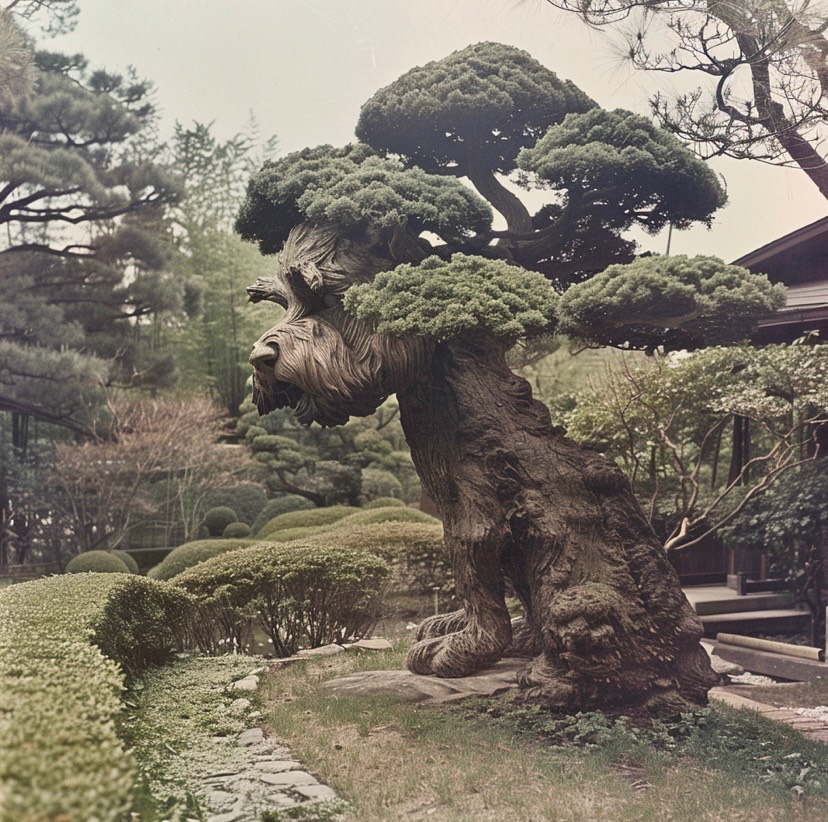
(606, 620)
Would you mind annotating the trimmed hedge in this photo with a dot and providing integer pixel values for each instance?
(149, 557)
(65, 643)
(246, 500)
(307, 518)
(280, 505)
(192, 553)
(101, 562)
(236, 530)
(217, 519)
(130, 563)
(374, 516)
(415, 551)
(384, 502)
(299, 593)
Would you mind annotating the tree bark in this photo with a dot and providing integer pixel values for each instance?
(606, 622)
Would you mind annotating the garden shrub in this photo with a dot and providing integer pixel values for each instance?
(148, 557)
(247, 501)
(415, 551)
(131, 564)
(280, 505)
(384, 502)
(307, 518)
(217, 519)
(387, 514)
(237, 530)
(101, 562)
(299, 593)
(65, 643)
(193, 553)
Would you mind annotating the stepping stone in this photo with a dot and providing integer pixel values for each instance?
(372, 645)
(324, 650)
(277, 766)
(251, 737)
(318, 793)
(410, 687)
(289, 779)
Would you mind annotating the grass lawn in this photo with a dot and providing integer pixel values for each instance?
(480, 761)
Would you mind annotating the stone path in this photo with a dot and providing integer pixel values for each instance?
(809, 726)
(264, 777)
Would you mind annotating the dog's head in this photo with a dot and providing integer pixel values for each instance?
(318, 359)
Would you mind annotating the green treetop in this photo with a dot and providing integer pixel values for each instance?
(469, 115)
(673, 302)
(446, 299)
(358, 191)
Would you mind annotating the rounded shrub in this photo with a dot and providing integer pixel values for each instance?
(217, 519)
(388, 513)
(237, 530)
(130, 563)
(299, 593)
(192, 553)
(100, 562)
(280, 505)
(307, 519)
(385, 502)
(415, 551)
(247, 501)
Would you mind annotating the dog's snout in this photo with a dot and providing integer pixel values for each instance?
(264, 355)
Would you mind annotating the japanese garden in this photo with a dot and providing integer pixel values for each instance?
(409, 475)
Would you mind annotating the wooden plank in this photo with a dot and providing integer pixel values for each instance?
(761, 662)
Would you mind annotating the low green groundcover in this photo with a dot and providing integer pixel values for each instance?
(66, 644)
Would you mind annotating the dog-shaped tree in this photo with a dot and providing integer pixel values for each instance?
(371, 308)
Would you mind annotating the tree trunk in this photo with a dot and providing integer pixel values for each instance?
(606, 621)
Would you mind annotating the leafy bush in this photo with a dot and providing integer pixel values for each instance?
(306, 519)
(384, 502)
(192, 553)
(64, 644)
(217, 519)
(392, 513)
(101, 562)
(131, 564)
(380, 483)
(280, 505)
(148, 557)
(299, 593)
(236, 530)
(246, 500)
(415, 551)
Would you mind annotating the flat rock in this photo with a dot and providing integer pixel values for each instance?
(323, 650)
(277, 766)
(289, 779)
(318, 793)
(371, 645)
(248, 684)
(409, 687)
(251, 737)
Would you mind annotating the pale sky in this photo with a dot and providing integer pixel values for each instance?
(304, 68)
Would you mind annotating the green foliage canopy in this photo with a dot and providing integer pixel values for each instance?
(475, 108)
(622, 166)
(446, 299)
(675, 302)
(358, 191)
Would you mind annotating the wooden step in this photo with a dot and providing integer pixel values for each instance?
(739, 604)
(779, 620)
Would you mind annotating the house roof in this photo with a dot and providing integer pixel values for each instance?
(798, 257)
(799, 260)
